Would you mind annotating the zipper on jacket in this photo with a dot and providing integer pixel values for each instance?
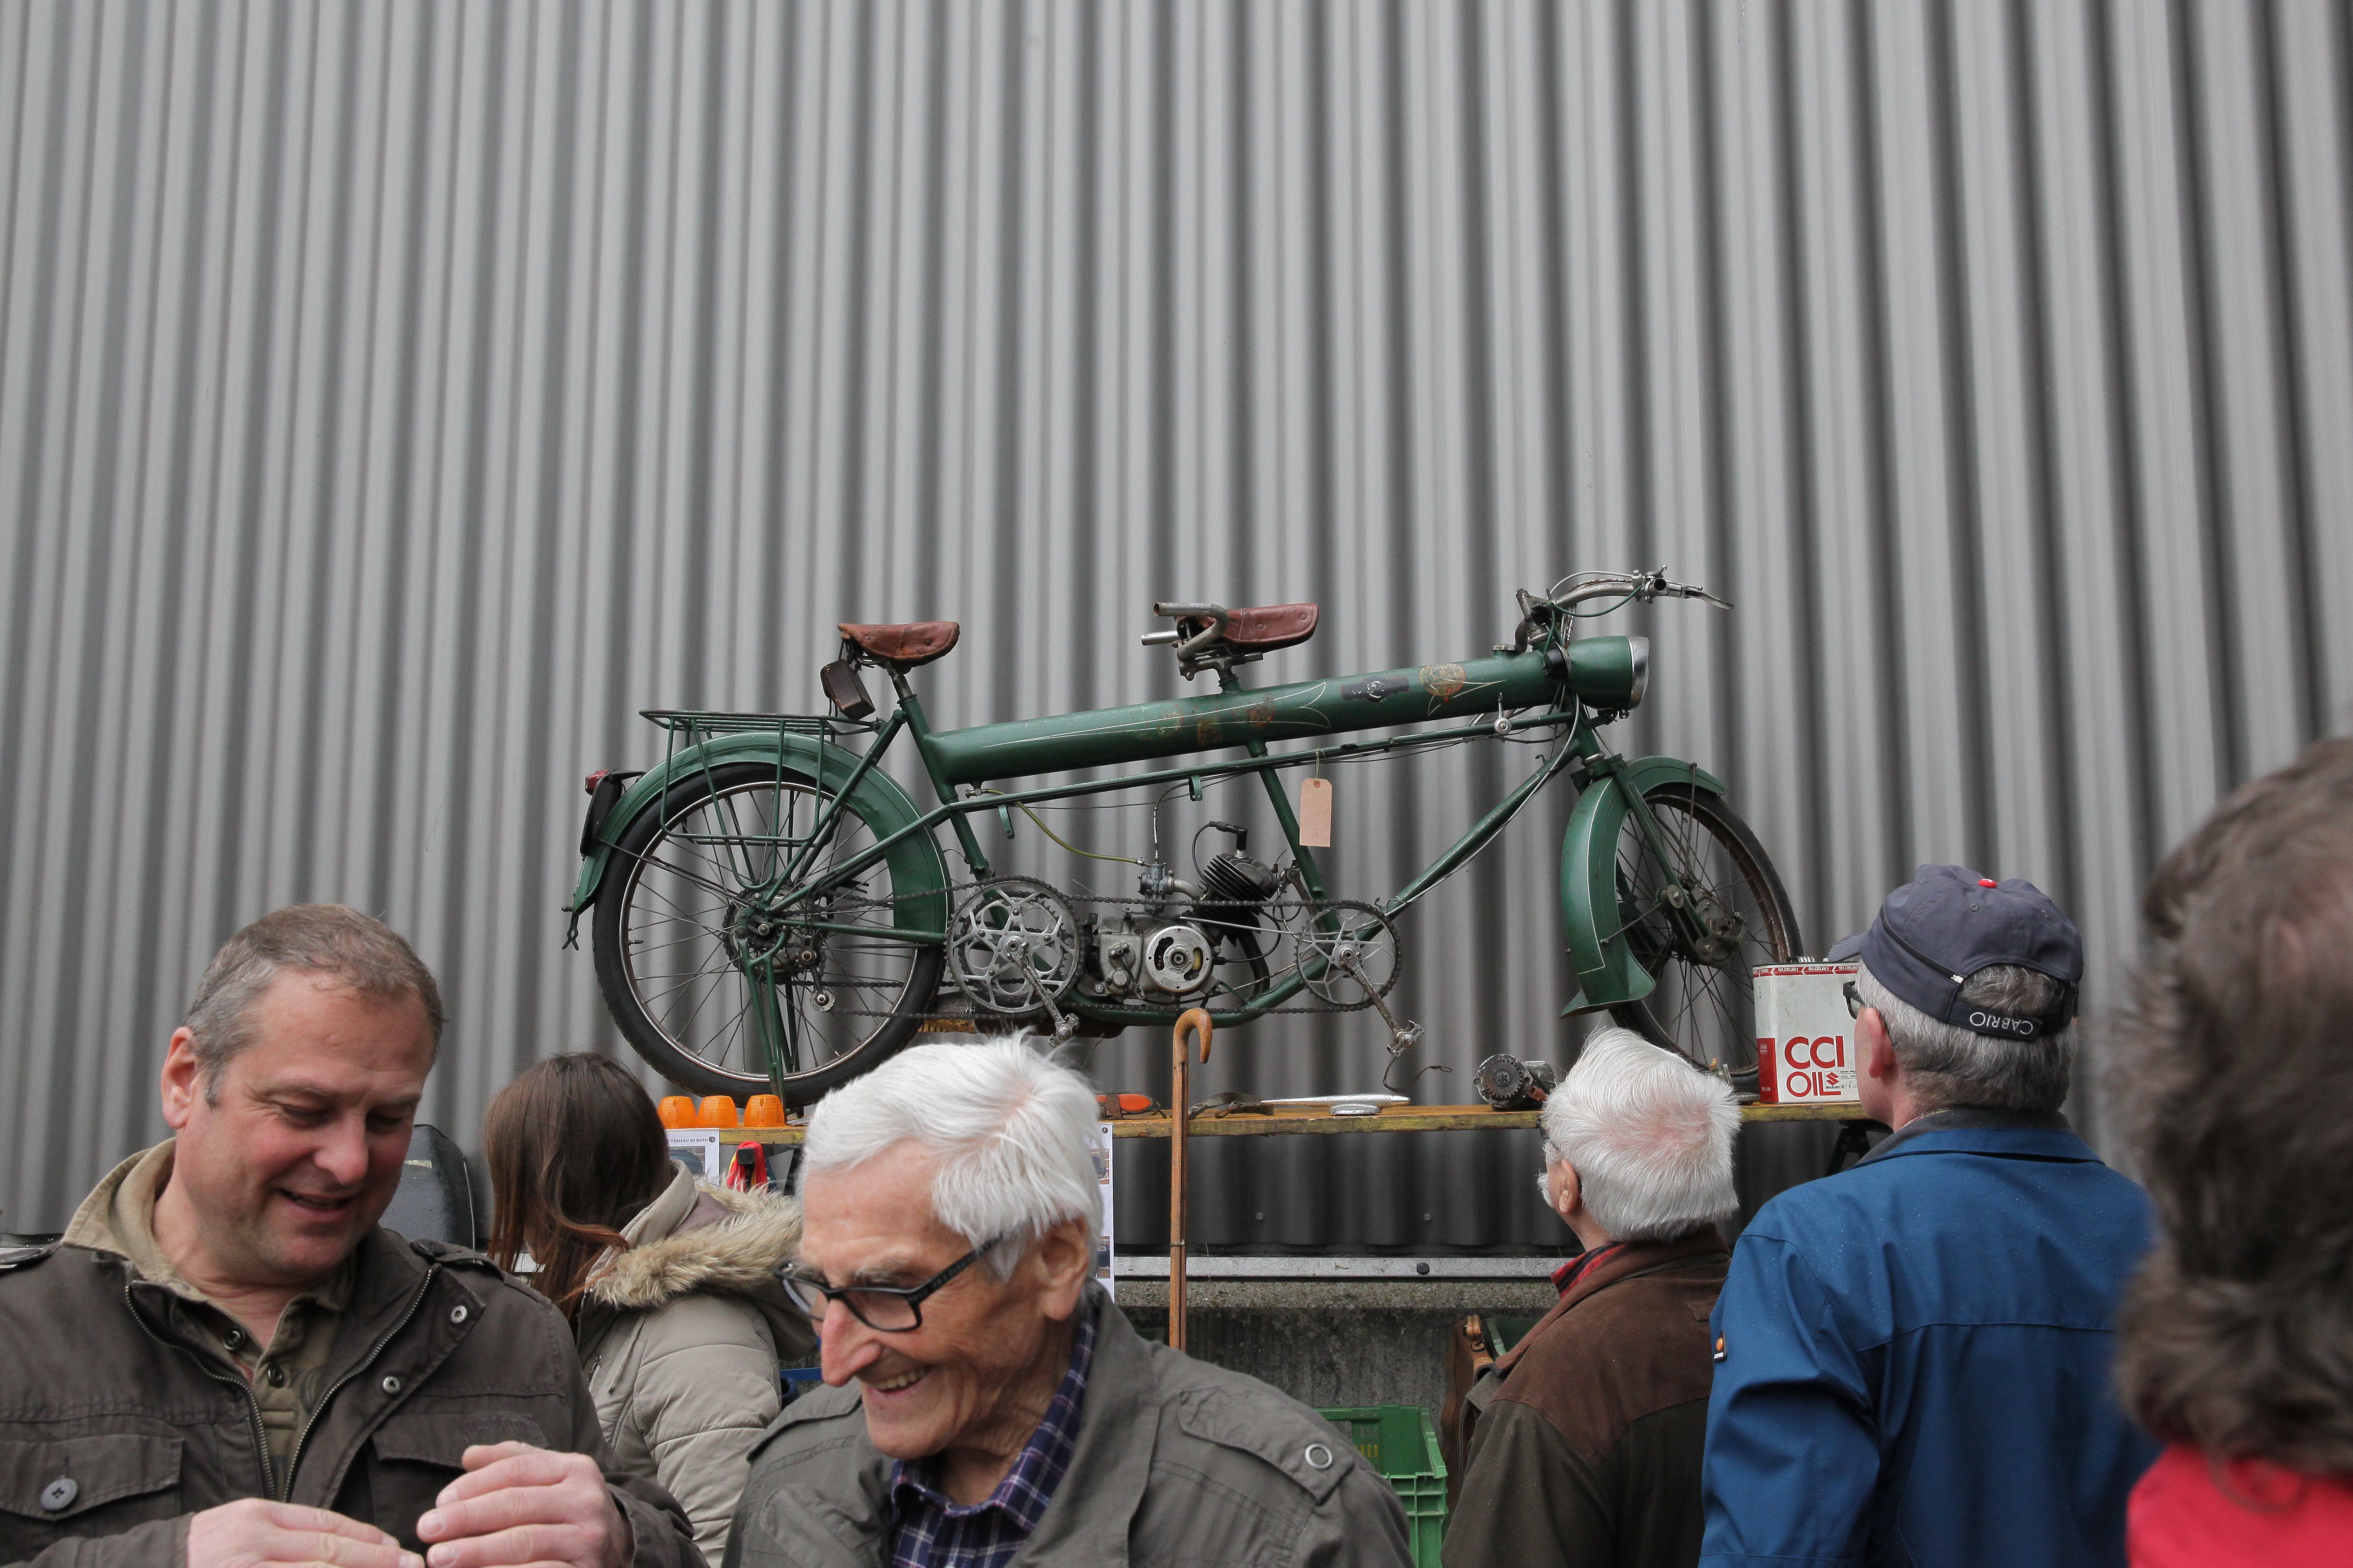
(295, 1457)
(253, 1404)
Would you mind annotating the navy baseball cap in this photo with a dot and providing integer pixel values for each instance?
(1948, 922)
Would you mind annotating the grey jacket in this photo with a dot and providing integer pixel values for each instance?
(680, 1337)
(1175, 1461)
(120, 1416)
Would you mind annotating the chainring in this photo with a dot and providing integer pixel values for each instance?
(1013, 943)
(1365, 935)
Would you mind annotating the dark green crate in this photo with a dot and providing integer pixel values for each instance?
(1502, 1332)
(1401, 1442)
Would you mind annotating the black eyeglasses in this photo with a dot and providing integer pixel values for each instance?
(1853, 1000)
(893, 1308)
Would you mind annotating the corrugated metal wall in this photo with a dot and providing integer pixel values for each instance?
(396, 397)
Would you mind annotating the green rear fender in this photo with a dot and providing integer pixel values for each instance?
(1607, 972)
(918, 877)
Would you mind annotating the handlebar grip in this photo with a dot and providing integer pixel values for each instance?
(1161, 640)
(1174, 609)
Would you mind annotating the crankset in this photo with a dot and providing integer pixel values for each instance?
(1014, 948)
(1360, 958)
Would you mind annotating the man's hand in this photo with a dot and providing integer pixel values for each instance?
(517, 1504)
(254, 1532)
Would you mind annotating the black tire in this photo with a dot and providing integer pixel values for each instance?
(1702, 1007)
(712, 834)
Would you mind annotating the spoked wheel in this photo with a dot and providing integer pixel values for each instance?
(1734, 916)
(704, 973)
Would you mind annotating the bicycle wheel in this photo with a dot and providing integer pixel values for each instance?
(683, 937)
(1702, 1003)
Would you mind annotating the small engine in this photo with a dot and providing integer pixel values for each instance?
(1176, 960)
(1171, 952)
(1234, 888)
(1154, 957)
(1236, 876)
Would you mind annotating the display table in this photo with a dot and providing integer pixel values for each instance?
(1392, 1119)
(1340, 1330)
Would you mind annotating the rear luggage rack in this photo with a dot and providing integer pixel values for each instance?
(691, 727)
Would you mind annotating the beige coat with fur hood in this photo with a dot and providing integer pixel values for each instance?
(681, 1336)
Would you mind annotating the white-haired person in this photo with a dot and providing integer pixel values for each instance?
(1589, 1432)
(986, 1401)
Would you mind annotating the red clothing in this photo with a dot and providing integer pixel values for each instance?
(1567, 1274)
(2189, 1513)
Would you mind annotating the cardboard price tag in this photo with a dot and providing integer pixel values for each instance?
(1806, 1051)
(1315, 812)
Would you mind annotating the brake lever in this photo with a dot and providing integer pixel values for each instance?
(1690, 591)
(1656, 584)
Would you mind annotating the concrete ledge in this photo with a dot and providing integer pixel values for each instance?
(1450, 1298)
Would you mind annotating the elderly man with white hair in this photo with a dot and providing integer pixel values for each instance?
(1589, 1437)
(988, 1404)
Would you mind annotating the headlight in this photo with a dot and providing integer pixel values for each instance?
(1608, 673)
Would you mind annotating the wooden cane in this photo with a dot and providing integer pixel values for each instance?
(1197, 1021)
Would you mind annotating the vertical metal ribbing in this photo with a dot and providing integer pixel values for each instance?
(393, 401)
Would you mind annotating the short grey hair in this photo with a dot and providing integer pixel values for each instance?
(1947, 1065)
(339, 944)
(1013, 1133)
(1648, 1136)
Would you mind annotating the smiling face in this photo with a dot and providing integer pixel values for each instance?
(978, 1373)
(295, 1153)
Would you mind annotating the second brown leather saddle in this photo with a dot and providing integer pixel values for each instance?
(904, 645)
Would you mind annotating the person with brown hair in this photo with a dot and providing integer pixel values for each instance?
(669, 1285)
(2236, 1343)
(227, 1362)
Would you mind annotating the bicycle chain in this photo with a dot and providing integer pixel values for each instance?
(957, 891)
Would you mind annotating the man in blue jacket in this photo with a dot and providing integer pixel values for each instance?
(1912, 1357)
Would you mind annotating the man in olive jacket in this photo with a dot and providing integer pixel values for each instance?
(1589, 1432)
(226, 1362)
(989, 1403)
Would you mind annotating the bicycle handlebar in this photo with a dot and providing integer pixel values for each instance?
(1639, 586)
(1216, 615)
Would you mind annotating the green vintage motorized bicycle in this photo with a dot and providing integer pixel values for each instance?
(773, 910)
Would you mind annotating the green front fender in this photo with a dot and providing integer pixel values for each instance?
(1607, 972)
(918, 877)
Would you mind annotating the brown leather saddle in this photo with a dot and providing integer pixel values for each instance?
(905, 645)
(1270, 627)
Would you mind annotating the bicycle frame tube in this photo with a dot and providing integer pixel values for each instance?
(818, 830)
(957, 809)
(943, 790)
(1311, 875)
(1476, 837)
(1578, 746)
(1602, 671)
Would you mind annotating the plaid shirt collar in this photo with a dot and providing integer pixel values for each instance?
(1567, 1274)
(932, 1530)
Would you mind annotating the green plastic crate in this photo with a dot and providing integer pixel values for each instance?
(1502, 1333)
(1401, 1443)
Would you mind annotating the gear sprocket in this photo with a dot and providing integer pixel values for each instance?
(1013, 946)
